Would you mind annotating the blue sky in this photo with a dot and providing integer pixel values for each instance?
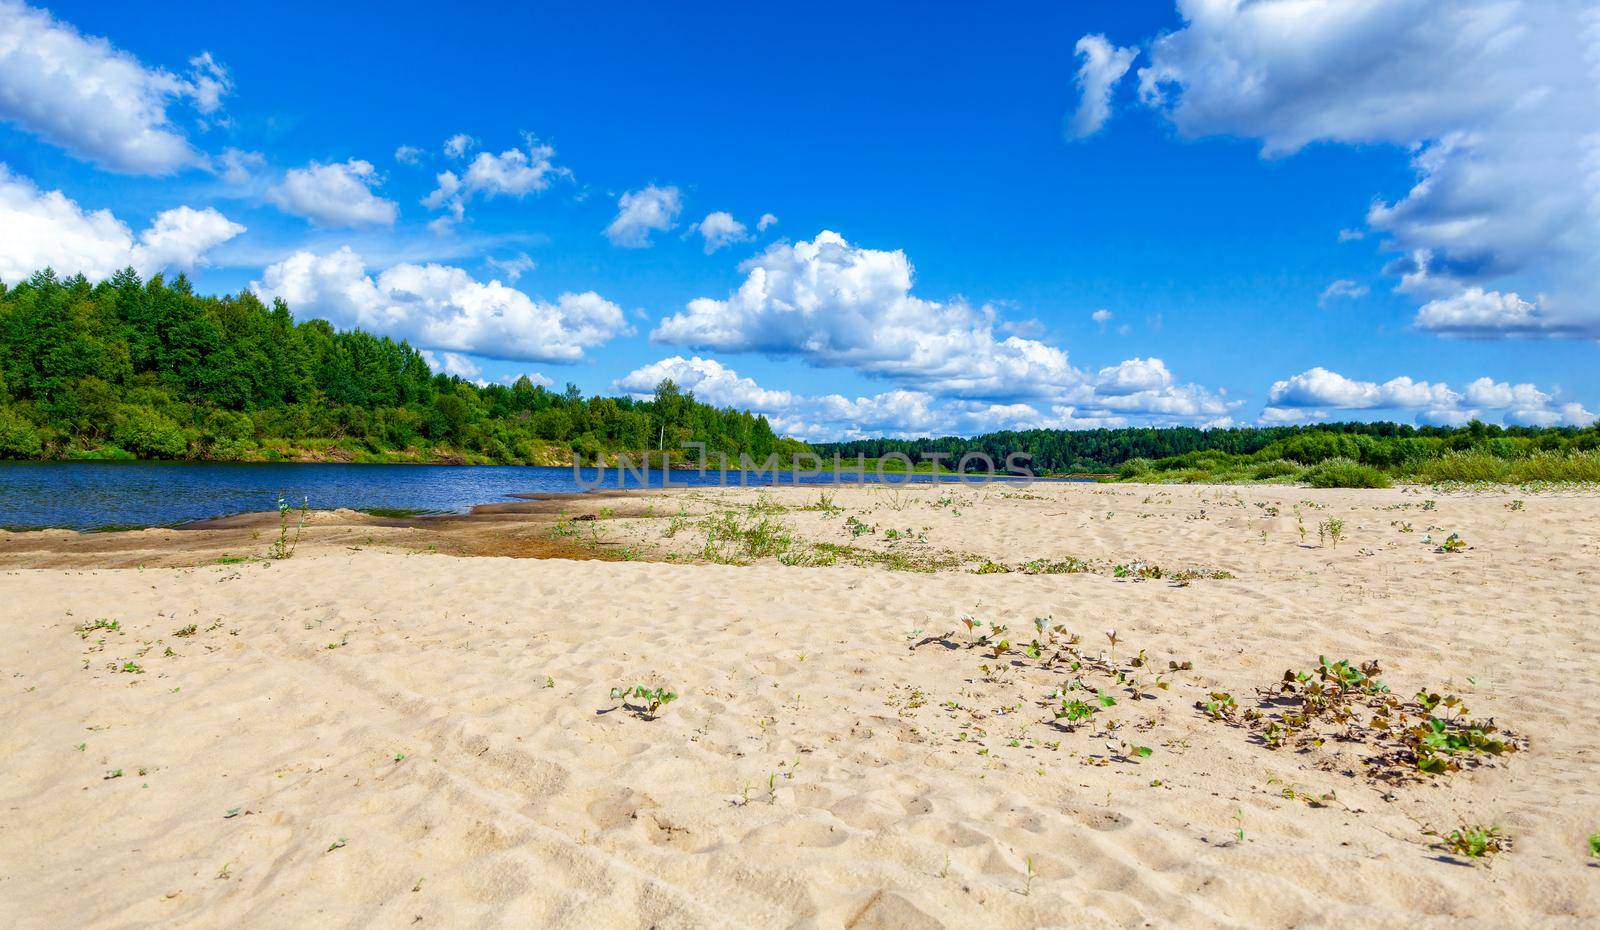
(993, 258)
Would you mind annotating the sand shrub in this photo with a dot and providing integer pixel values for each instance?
(1466, 466)
(1345, 473)
(1558, 466)
(1133, 469)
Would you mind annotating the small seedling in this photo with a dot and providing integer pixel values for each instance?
(100, 623)
(337, 844)
(651, 699)
(1475, 841)
(1594, 845)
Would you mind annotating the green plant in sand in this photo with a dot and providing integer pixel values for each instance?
(283, 547)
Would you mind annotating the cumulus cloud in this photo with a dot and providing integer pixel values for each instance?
(1133, 376)
(898, 412)
(99, 103)
(1103, 66)
(833, 304)
(409, 155)
(1494, 98)
(1344, 287)
(516, 172)
(457, 145)
(1102, 316)
(642, 212)
(335, 195)
(180, 238)
(442, 307)
(721, 229)
(452, 363)
(41, 229)
(1476, 313)
(1312, 393)
(766, 222)
(534, 378)
(710, 380)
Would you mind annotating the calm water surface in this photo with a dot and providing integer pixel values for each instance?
(90, 495)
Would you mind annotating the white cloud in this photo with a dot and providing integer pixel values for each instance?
(1351, 235)
(1319, 387)
(1478, 313)
(1314, 392)
(766, 222)
(180, 238)
(452, 363)
(534, 378)
(442, 307)
(457, 145)
(833, 304)
(97, 102)
(721, 229)
(1134, 376)
(514, 267)
(409, 155)
(1494, 98)
(515, 172)
(335, 195)
(1344, 287)
(1102, 316)
(710, 380)
(41, 229)
(1103, 66)
(642, 212)
(898, 412)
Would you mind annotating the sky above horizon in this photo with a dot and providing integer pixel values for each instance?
(901, 219)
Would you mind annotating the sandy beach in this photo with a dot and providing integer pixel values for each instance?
(403, 725)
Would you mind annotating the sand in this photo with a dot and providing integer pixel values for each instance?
(374, 733)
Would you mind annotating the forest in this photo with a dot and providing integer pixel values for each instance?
(1325, 454)
(148, 369)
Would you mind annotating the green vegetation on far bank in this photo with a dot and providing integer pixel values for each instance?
(129, 369)
(1324, 455)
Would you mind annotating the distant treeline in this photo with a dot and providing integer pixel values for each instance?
(1332, 455)
(134, 369)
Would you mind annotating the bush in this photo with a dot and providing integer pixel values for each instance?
(1133, 468)
(1484, 467)
(148, 433)
(1277, 468)
(19, 439)
(1345, 473)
